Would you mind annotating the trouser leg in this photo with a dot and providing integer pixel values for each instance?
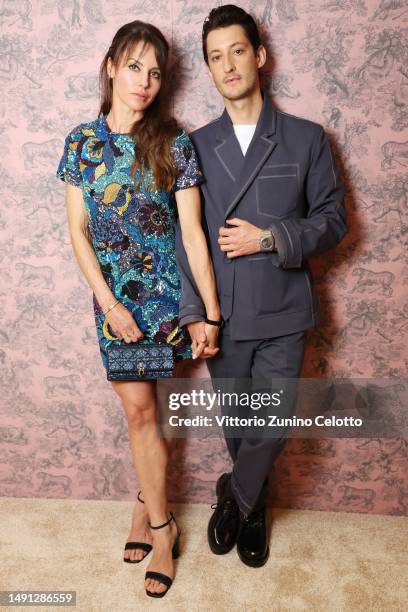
(276, 358)
(232, 364)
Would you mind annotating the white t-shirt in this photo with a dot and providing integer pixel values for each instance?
(244, 134)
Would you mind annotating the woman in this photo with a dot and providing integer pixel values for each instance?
(128, 173)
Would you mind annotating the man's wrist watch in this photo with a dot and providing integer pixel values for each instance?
(267, 241)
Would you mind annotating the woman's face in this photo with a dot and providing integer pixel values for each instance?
(137, 80)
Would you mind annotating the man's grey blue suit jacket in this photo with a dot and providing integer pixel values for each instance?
(288, 182)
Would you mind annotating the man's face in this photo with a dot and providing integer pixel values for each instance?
(232, 63)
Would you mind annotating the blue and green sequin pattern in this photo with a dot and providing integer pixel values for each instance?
(132, 232)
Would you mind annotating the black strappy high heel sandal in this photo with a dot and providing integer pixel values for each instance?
(175, 553)
(138, 545)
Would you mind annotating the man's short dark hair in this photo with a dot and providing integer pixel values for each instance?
(227, 15)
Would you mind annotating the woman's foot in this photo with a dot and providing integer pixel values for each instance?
(162, 560)
(139, 532)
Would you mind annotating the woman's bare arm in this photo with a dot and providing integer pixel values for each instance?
(195, 244)
(82, 246)
(120, 318)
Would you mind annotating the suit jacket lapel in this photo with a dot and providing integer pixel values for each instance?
(227, 149)
(242, 170)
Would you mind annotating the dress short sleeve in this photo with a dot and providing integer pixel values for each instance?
(185, 158)
(68, 168)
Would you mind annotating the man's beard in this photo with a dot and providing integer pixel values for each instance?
(239, 95)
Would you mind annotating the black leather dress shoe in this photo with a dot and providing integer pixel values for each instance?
(252, 543)
(224, 524)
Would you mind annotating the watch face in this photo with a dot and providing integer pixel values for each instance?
(266, 243)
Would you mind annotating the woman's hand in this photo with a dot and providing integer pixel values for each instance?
(122, 324)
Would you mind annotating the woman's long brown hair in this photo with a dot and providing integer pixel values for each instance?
(154, 133)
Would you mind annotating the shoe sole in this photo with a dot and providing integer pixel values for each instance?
(256, 562)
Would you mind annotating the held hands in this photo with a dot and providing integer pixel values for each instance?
(211, 331)
(123, 325)
(242, 239)
(204, 336)
(204, 339)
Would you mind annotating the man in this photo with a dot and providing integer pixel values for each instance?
(271, 198)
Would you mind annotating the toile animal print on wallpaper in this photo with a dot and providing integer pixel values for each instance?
(340, 63)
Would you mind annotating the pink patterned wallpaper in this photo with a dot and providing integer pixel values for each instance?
(341, 63)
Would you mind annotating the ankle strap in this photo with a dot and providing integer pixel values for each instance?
(139, 498)
(164, 524)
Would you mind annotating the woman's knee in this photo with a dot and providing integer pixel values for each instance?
(139, 414)
(138, 402)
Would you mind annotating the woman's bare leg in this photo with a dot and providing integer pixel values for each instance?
(139, 532)
(150, 459)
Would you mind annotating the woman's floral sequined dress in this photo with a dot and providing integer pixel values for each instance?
(132, 232)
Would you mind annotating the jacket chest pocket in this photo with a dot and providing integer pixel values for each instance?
(277, 190)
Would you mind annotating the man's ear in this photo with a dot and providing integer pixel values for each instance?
(261, 56)
(110, 68)
(210, 73)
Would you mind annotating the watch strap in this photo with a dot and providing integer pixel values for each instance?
(212, 322)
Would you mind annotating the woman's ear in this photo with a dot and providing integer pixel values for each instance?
(110, 68)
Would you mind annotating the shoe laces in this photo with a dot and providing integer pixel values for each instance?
(226, 501)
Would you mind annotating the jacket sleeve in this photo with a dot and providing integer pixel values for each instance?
(325, 224)
(191, 306)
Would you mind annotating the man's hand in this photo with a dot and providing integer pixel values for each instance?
(201, 345)
(242, 239)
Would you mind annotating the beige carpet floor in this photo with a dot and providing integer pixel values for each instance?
(319, 562)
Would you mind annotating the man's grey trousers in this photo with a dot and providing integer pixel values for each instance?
(237, 362)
